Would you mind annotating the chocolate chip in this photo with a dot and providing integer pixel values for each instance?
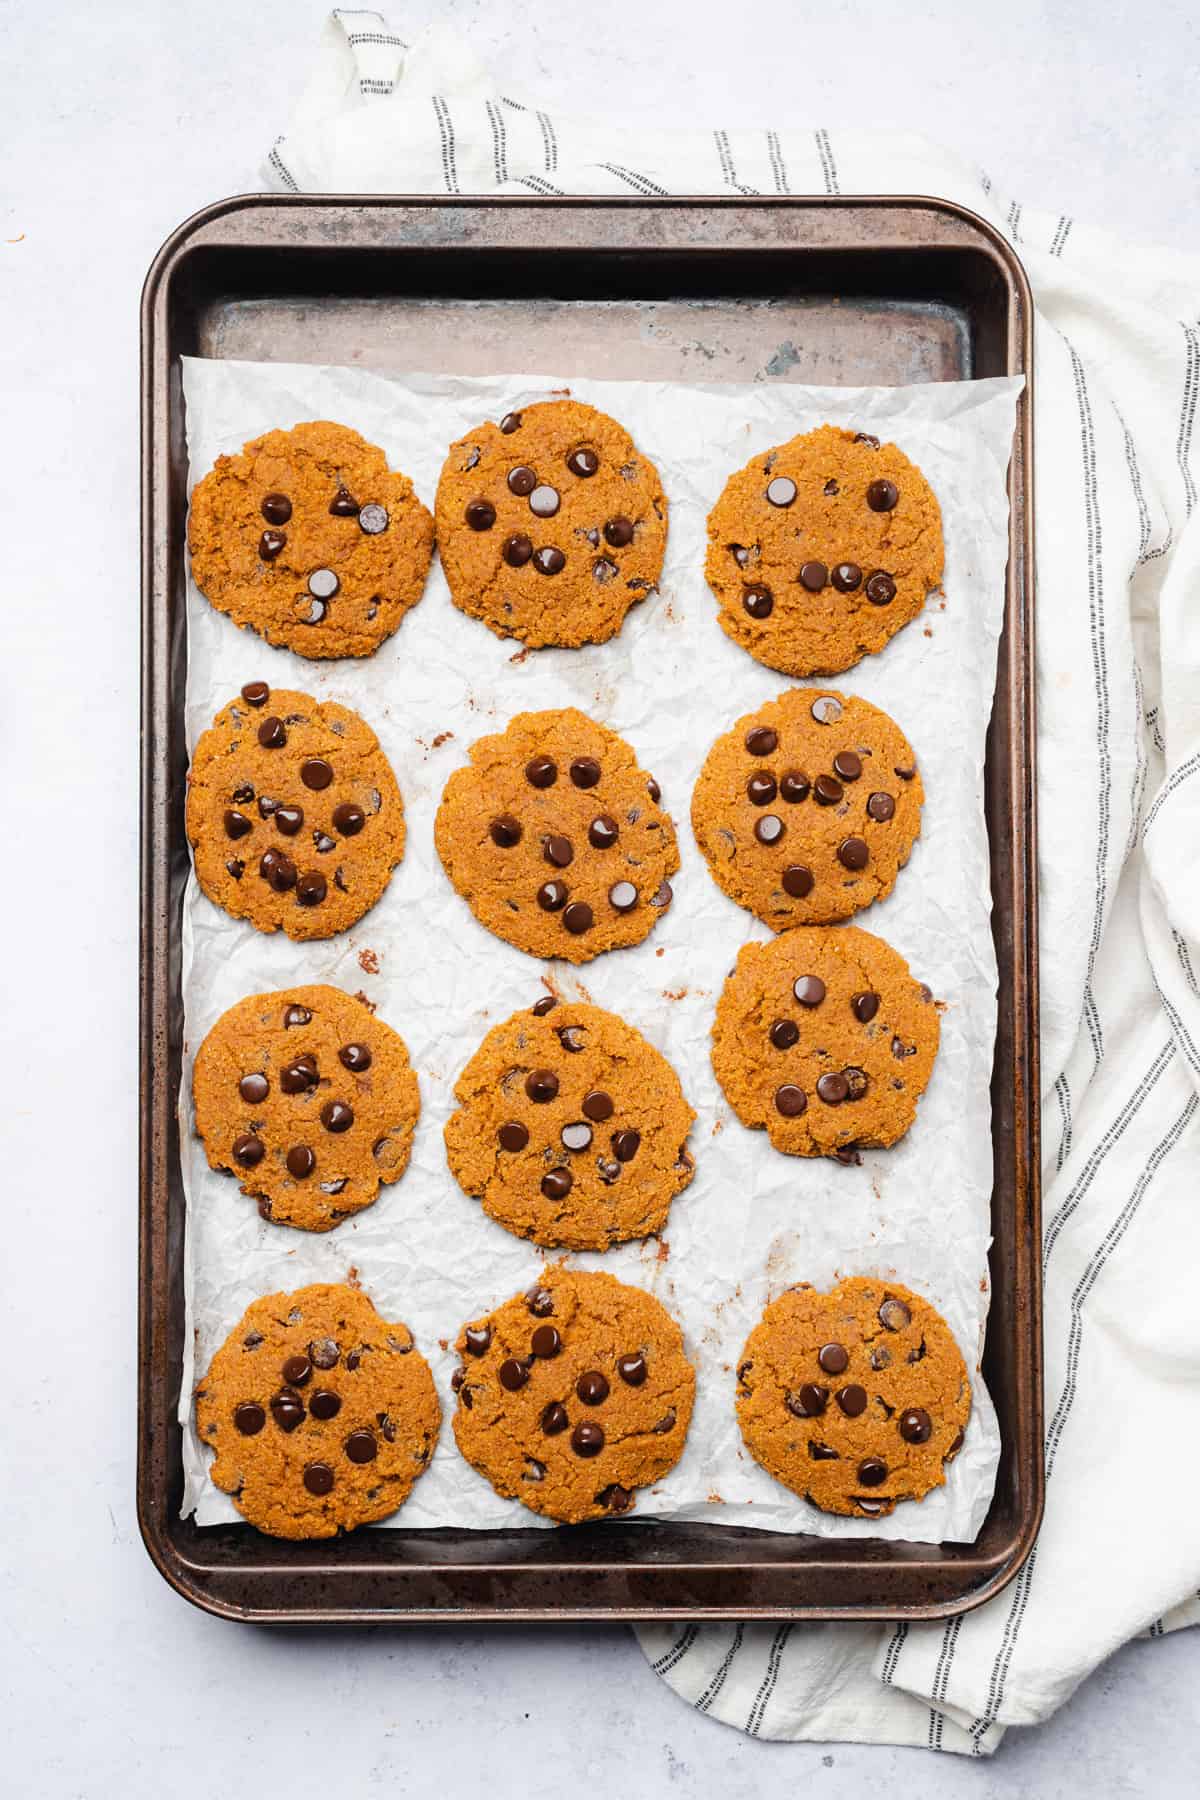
(827, 791)
(760, 740)
(552, 895)
(276, 509)
(894, 1314)
(808, 1401)
(916, 1426)
(457, 1379)
(298, 1076)
(266, 806)
(632, 1368)
(769, 829)
(758, 601)
(287, 1409)
(522, 481)
(325, 1404)
(556, 1184)
(790, 1101)
(235, 867)
(626, 1145)
(324, 1354)
(277, 869)
(480, 515)
(311, 888)
(316, 773)
(296, 1370)
(249, 1418)
(592, 1387)
(826, 709)
(549, 561)
(541, 772)
(544, 502)
(545, 1341)
(881, 1357)
(372, 519)
(864, 1006)
(300, 1161)
(546, 1004)
(541, 1085)
(662, 895)
(846, 577)
(323, 584)
(622, 896)
(598, 1106)
(271, 734)
(617, 1498)
(348, 819)
(760, 789)
(355, 1057)
(900, 1049)
(955, 1447)
(864, 437)
(517, 550)
(477, 1339)
(256, 693)
(813, 576)
(270, 544)
(603, 570)
(587, 1439)
(513, 1135)
(513, 1374)
(558, 850)
(510, 422)
(254, 1088)
(882, 495)
(540, 1302)
(336, 1116)
(857, 1082)
(784, 1033)
(288, 819)
(603, 832)
(237, 824)
(881, 589)
(248, 1150)
(578, 918)
(853, 853)
(881, 807)
(872, 1471)
(583, 462)
(847, 1155)
(847, 764)
(833, 1087)
(797, 881)
(781, 491)
(554, 1418)
(619, 531)
(344, 505)
(852, 1400)
(361, 1446)
(793, 787)
(608, 1170)
(833, 1358)
(296, 1015)
(653, 789)
(809, 990)
(576, 1136)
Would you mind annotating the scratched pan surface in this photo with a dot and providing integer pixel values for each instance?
(852, 292)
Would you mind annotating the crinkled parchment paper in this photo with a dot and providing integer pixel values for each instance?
(752, 1221)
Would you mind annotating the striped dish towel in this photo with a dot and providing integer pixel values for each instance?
(1118, 462)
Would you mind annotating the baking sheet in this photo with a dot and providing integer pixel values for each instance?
(752, 1221)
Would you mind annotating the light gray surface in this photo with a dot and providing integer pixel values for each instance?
(119, 119)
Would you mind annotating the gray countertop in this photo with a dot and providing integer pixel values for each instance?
(120, 120)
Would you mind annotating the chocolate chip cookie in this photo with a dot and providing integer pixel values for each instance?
(309, 539)
(821, 549)
(855, 1399)
(571, 1128)
(293, 813)
(573, 1395)
(556, 839)
(551, 524)
(310, 1100)
(807, 810)
(825, 1040)
(322, 1415)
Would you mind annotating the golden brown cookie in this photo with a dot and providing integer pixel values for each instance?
(573, 1395)
(550, 525)
(571, 1128)
(824, 1039)
(308, 538)
(807, 810)
(555, 837)
(821, 549)
(293, 813)
(855, 1399)
(322, 1414)
(310, 1100)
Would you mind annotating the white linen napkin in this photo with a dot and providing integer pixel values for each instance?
(1117, 353)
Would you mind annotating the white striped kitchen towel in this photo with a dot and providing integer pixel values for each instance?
(1118, 462)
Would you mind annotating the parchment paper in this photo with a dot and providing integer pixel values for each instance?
(752, 1220)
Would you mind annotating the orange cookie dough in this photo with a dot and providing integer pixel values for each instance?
(322, 1415)
(573, 1395)
(310, 1100)
(293, 813)
(807, 810)
(856, 1399)
(824, 1039)
(556, 839)
(550, 525)
(571, 1128)
(309, 539)
(821, 549)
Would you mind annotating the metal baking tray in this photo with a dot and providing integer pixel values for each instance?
(820, 290)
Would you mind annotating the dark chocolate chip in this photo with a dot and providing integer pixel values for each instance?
(270, 544)
(287, 1409)
(296, 1015)
(477, 1339)
(311, 888)
(558, 850)
(881, 807)
(540, 1302)
(894, 1314)
(846, 577)
(865, 437)
(618, 1499)
(513, 1135)
(235, 867)
(852, 1400)
(662, 895)
(324, 1353)
(510, 422)
(556, 1184)
(626, 1145)
(288, 819)
(256, 693)
(847, 764)
(583, 462)
(517, 550)
(603, 832)
(522, 480)
(790, 1101)
(809, 990)
(585, 771)
(784, 1033)
(916, 1426)
(325, 1404)
(853, 853)
(881, 589)
(592, 1387)
(254, 1088)
(603, 570)
(276, 509)
(336, 1116)
(541, 772)
(622, 896)
(781, 491)
(761, 740)
(833, 1358)
(298, 1076)
(955, 1447)
(794, 787)
(545, 1341)
(237, 824)
(857, 1082)
(578, 918)
(864, 1006)
(248, 1150)
(272, 734)
(344, 505)
(587, 1439)
(769, 829)
(758, 601)
(348, 819)
(808, 1401)
(513, 1374)
(300, 1161)
(872, 1471)
(279, 870)
(546, 1004)
(249, 1418)
(598, 1106)
(833, 1087)
(813, 576)
(480, 515)
(905, 773)
(361, 1446)
(316, 773)
(761, 789)
(797, 881)
(549, 560)
(541, 1085)
(882, 495)
(619, 531)
(554, 1418)
(296, 1370)
(827, 791)
(355, 1057)
(552, 895)
(826, 709)
(653, 789)
(632, 1368)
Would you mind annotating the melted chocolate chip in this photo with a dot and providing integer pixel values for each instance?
(237, 824)
(847, 764)
(827, 791)
(297, 1370)
(510, 422)
(592, 1387)
(477, 1339)
(270, 544)
(276, 509)
(316, 773)
(758, 601)
(761, 789)
(272, 734)
(540, 1302)
(852, 1400)
(808, 1401)
(864, 1006)
(881, 807)
(662, 895)
(794, 787)
(288, 819)
(558, 850)
(287, 1409)
(298, 1076)
(833, 1087)
(761, 740)
(585, 771)
(882, 495)
(619, 531)
(296, 1015)
(546, 1341)
(546, 1004)
(857, 1082)
(256, 693)
(325, 1404)
(554, 1418)
(348, 819)
(311, 888)
(300, 1162)
(872, 1471)
(254, 1089)
(248, 1150)
(522, 480)
(344, 505)
(249, 1418)
(784, 1033)
(894, 1314)
(626, 1145)
(355, 1057)
(603, 832)
(336, 1116)
(915, 1425)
